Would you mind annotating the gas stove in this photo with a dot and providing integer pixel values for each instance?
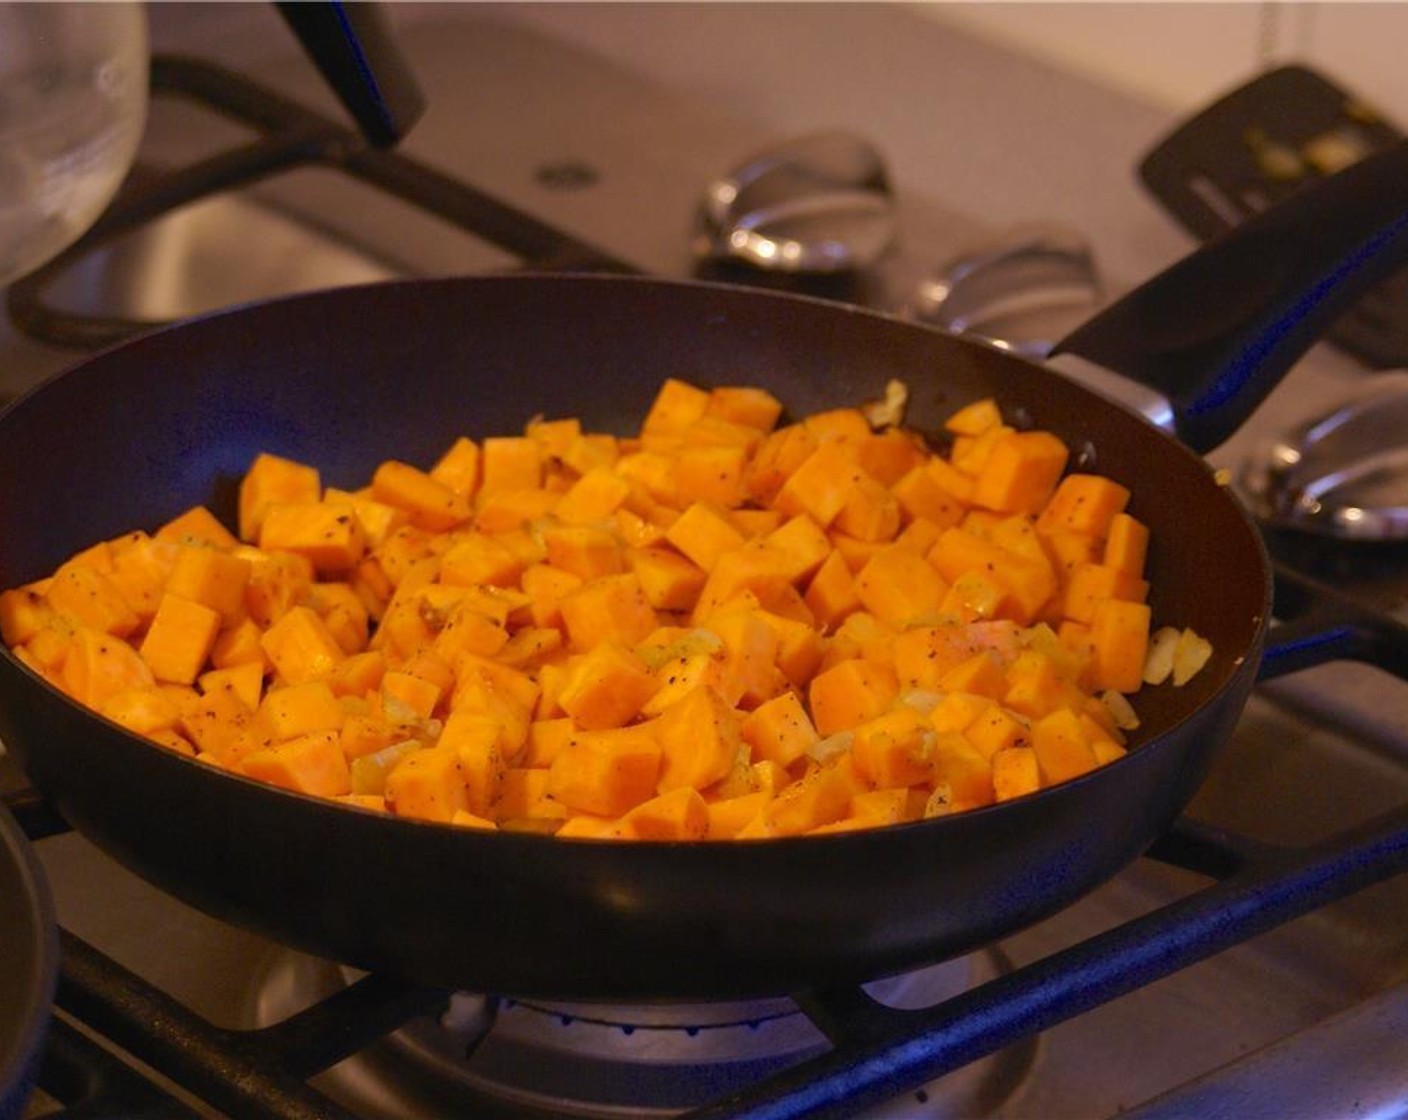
(1253, 963)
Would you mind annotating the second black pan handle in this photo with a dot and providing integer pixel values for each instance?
(353, 45)
(1216, 332)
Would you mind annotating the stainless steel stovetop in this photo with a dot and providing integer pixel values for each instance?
(1308, 1020)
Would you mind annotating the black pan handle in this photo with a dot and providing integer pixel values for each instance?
(1215, 333)
(354, 47)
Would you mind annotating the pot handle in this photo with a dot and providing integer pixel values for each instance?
(354, 47)
(1217, 331)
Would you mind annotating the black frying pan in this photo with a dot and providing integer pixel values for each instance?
(347, 378)
(29, 955)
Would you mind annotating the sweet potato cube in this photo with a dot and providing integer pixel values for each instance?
(328, 534)
(870, 512)
(477, 558)
(377, 520)
(975, 595)
(428, 784)
(676, 406)
(468, 628)
(24, 611)
(591, 450)
(1021, 472)
(979, 675)
(606, 773)
(312, 764)
(703, 533)
(752, 568)
(831, 594)
(458, 467)
(506, 509)
(90, 597)
(270, 479)
(779, 730)
(429, 503)
(545, 739)
(679, 814)
(1127, 545)
(1015, 772)
(699, 740)
(593, 498)
(179, 639)
(895, 748)
(745, 404)
(900, 586)
(849, 693)
(222, 726)
(141, 566)
(1083, 503)
(144, 710)
(821, 797)
(405, 696)
(775, 460)
(920, 496)
(523, 794)
(608, 608)
(277, 582)
(1067, 551)
(479, 746)
(1036, 685)
(750, 647)
(197, 526)
(587, 551)
(975, 418)
(238, 645)
(821, 485)
(211, 577)
(800, 646)
(302, 709)
(1062, 747)
(890, 454)
(555, 436)
(510, 463)
(964, 770)
(546, 587)
(1030, 582)
(711, 474)
(300, 647)
(728, 816)
(1089, 584)
(462, 818)
(245, 680)
(671, 582)
(1119, 641)
(606, 686)
(996, 729)
(343, 612)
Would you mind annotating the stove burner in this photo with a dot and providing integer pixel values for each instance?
(533, 1057)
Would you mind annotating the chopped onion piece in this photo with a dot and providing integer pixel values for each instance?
(1120, 709)
(1158, 662)
(833, 746)
(1190, 655)
(888, 412)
